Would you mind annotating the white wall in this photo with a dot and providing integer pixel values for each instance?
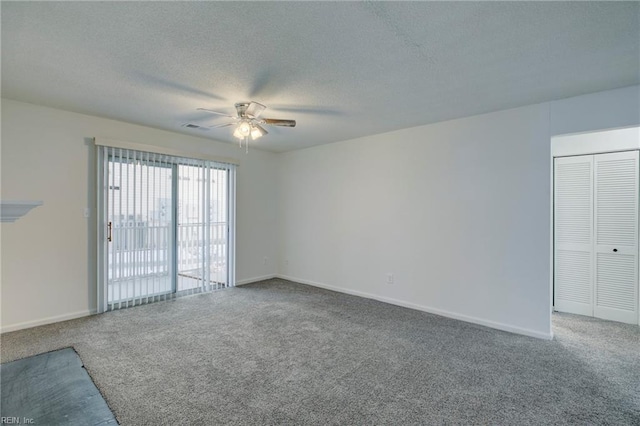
(48, 256)
(458, 211)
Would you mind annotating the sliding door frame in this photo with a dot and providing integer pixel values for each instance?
(102, 208)
(174, 228)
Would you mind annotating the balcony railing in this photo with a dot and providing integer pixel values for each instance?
(140, 252)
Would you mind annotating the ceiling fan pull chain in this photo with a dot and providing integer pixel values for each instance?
(246, 145)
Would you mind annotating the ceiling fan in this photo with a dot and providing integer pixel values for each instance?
(249, 122)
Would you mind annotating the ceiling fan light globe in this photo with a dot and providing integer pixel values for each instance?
(257, 132)
(244, 129)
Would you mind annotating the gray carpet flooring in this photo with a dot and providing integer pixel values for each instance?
(278, 352)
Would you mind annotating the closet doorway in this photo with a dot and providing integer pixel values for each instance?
(595, 225)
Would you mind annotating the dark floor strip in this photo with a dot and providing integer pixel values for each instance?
(51, 389)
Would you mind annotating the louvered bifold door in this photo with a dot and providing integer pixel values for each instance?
(573, 235)
(616, 236)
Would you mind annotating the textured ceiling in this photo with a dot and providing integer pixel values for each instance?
(342, 70)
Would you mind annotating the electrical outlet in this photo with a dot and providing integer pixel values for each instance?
(265, 260)
(87, 212)
(389, 278)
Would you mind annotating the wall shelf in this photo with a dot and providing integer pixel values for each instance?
(10, 211)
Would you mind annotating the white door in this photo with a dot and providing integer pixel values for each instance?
(573, 234)
(616, 236)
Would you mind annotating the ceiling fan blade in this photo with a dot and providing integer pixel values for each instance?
(277, 122)
(254, 109)
(217, 126)
(215, 112)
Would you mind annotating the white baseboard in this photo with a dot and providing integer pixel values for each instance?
(80, 314)
(255, 279)
(429, 309)
(44, 321)
(436, 311)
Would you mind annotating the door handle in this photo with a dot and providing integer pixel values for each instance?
(615, 250)
(109, 229)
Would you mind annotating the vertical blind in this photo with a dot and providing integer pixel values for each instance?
(165, 226)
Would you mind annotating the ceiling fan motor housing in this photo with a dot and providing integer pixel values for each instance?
(241, 107)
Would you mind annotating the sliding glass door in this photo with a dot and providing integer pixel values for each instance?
(140, 218)
(165, 227)
(203, 210)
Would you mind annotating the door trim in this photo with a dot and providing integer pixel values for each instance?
(586, 143)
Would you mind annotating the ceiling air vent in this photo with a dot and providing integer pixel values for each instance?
(194, 126)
